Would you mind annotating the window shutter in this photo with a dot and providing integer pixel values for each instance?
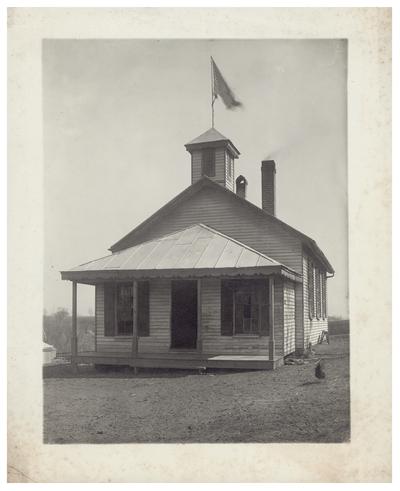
(226, 309)
(143, 316)
(109, 309)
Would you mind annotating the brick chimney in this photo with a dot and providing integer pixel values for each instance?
(268, 186)
(241, 186)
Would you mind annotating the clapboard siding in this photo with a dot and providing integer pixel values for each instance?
(220, 167)
(227, 215)
(212, 341)
(289, 317)
(160, 313)
(229, 179)
(312, 327)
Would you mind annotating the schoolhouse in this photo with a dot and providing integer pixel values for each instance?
(209, 280)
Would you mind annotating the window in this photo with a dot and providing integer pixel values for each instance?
(318, 292)
(311, 289)
(244, 307)
(118, 309)
(323, 288)
(124, 311)
(208, 162)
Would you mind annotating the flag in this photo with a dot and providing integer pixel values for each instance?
(221, 88)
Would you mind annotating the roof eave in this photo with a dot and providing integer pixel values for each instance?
(95, 276)
(218, 143)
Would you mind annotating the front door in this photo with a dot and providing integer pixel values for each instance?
(183, 314)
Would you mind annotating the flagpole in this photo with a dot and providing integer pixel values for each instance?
(212, 93)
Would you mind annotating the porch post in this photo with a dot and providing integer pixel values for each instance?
(74, 334)
(271, 281)
(199, 320)
(134, 321)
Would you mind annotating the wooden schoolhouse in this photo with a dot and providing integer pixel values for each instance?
(209, 280)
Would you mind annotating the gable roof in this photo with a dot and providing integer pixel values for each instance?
(207, 182)
(197, 247)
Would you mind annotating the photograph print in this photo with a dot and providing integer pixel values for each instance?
(196, 245)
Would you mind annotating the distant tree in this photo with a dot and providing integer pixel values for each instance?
(57, 330)
(61, 315)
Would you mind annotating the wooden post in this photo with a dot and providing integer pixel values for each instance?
(199, 319)
(74, 334)
(271, 318)
(134, 318)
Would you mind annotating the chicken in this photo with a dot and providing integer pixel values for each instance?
(319, 369)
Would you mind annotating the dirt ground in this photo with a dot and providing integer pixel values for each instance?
(286, 405)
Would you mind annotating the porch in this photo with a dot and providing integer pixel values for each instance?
(166, 344)
(180, 360)
(194, 299)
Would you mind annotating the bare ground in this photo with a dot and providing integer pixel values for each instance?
(285, 405)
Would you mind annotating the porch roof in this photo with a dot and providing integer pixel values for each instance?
(197, 250)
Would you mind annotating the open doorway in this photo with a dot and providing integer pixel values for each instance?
(183, 314)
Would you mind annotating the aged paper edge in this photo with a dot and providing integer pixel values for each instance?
(367, 458)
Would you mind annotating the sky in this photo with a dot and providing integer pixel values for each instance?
(117, 114)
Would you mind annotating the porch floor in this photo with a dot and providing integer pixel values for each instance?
(174, 359)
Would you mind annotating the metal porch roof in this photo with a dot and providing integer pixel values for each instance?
(196, 248)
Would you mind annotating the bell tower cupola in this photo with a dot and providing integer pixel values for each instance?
(213, 155)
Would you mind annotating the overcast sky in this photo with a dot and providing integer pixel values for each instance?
(118, 113)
